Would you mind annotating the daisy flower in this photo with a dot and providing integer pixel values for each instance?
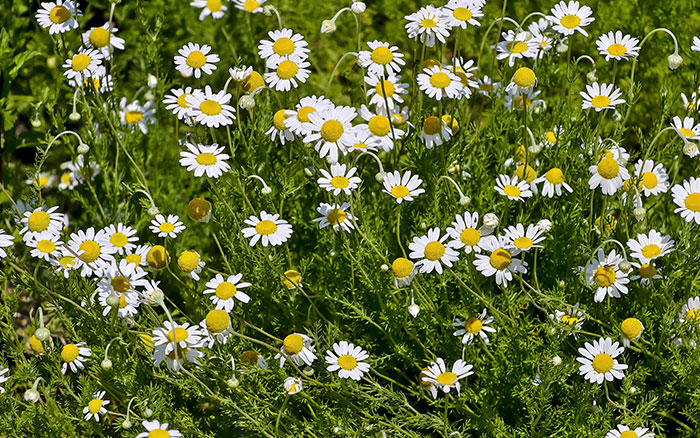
(690, 103)
(121, 237)
(3, 379)
(279, 127)
(195, 59)
(269, 229)
(253, 358)
(553, 182)
(176, 102)
(687, 127)
(438, 375)
(402, 187)
(403, 270)
(59, 16)
(571, 318)
(224, 292)
(616, 46)
(288, 73)
(465, 233)
(292, 385)
(524, 239)
(541, 35)
(331, 130)
(298, 348)
(137, 255)
(135, 115)
(127, 307)
(601, 96)
(473, 327)
(175, 343)
(83, 65)
(608, 174)
(348, 360)
(522, 101)
(653, 178)
(499, 260)
(74, 357)
(487, 86)
(96, 406)
(632, 329)
(45, 246)
(381, 60)
(298, 121)
(157, 430)
(6, 241)
(380, 129)
(251, 6)
(390, 88)
(211, 109)
(216, 327)
(99, 82)
(466, 72)
(41, 221)
(514, 188)
(604, 272)
(427, 24)
(569, 18)
(687, 197)
(93, 251)
(64, 263)
(432, 252)
(690, 312)
(103, 40)
(623, 431)
(460, 13)
(191, 263)
(645, 272)
(516, 46)
(598, 361)
(339, 180)
(438, 82)
(335, 215)
(285, 45)
(170, 227)
(203, 159)
(213, 8)
(44, 180)
(435, 131)
(651, 246)
(361, 141)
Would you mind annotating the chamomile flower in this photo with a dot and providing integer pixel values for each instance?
(41, 221)
(569, 18)
(288, 73)
(390, 88)
(696, 44)
(298, 348)
(571, 318)
(691, 103)
(292, 385)
(96, 406)
(176, 343)
(553, 182)
(348, 360)
(525, 101)
(211, 109)
(438, 82)
(623, 431)
(216, 327)
(360, 140)
(127, 307)
(382, 60)
(336, 215)
(438, 375)
(601, 96)
(653, 178)
(473, 327)
(137, 255)
(279, 127)
(284, 44)
(617, 46)
(93, 251)
(74, 357)
(331, 130)
(651, 246)
(687, 127)
(434, 132)
(103, 39)
(461, 13)
(213, 8)
(122, 237)
(191, 263)
(499, 260)
(403, 270)
(83, 65)
(524, 239)
(225, 292)
(45, 246)
(465, 232)
(431, 252)
(604, 272)
(269, 229)
(428, 24)
(513, 187)
(598, 361)
(64, 263)
(170, 227)
(100, 82)
(379, 126)
(687, 197)
(298, 121)
(155, 429)
(690, 312)
(3, 379)
(6, 241)
(176, 102)
(59, 16)
(251, 6)
(466, 72)
(135, 115)
(42, 181)
(608, 174)
(645, 272)
(402, 187)
(339, 179)
(541, 35)
(240, 74)
(194, 59)
(631, 329)
(487, 86)
(202, 159)
(516, 46)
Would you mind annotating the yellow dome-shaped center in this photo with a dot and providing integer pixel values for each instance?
(91, 251)
(188, 261)
(382, 55)
(500, 259)
(283, 47)
(196, 59)
(178, 333)
(446, 378)
(265, 227)
(278, 120)
(570, 21)
(608, 168)
(631, 328)
(554, 176)
(38, 221)
(287, 69)
(347, 362)
(603, 363)
(650, 251)
(70, 352)
(80, 62)
(524, 77)
(470, 236)
(340, 182)
(512, 191)
(225, 290)
(473, 325)
(434, 250)
(210, 107)
(332, 131)
(133, 116)
(462, 14)
(217, 321)
(604, 276)
(59, 14)
(293, 343)
(388, 89)
(99, 37)
(402, 267)
(206, 159)
(336, 216)
(440, 80)
(616, 49)
(600, 101)
(379, 125)
(432, 125)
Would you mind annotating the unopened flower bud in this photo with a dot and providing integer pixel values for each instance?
(690, 149)
(328, 26)
(490, 220)
(674, 61)
(153, 210)
(358, 7)
(384, 267)
(126, 424)
(639, 213)
(32, 395)
(74, 117)
(591, 77)
(544, 225)
(616, 116)
(562, 47)
(233, 382)
(423, 225)
(464, 200)
(309, 171)
(308, 371)
(247, 102)
(268, 10)
(42, 334)
(632, 390)
(106, 364)
(152, 81)
(413, 308)
(36, 122)
(113, 300)
(83, 148)
(266, 190)
(625, 266)
(51, 62)
(534, 148)
(380, 177)
(156, 298)
(556, 361)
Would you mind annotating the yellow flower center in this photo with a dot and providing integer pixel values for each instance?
(332, 130)
(647, 271)
(95, 405)
(122, 301)
(340, 182)
(250, 357)
(69, 353)
(303, 113)
(451, 122)
(382, 55)
(500, 259)
(59, 14)
(629, 434)
(99, 37)
(402, 267)
(278, 120)
(118, 239)
(336, 216)
(293, 343)
(347, 362)
(80, 62)
(250, 5)
(287, 69)
(36, 345)
(379, 125)
(528, 172)
(687, 132)
(188, 261)
(198, 208)
(400, 191)
(446, 378)
(650, 251)
(440, 80)
(217, 321)
(692, 202)
(166, 227)
(159, 433)
(67, 261)
(283, 47)
(649, 180)
(253, 82)
(551, 137)
(210, 107)
(631, 328)
(693, 316)
(388, 88)
(602, 363)
(133, 116)
(516, 47)
(179, 334)
(38, 221)
(265, 228)
(431, 125)
(470, 236)
(512, 191)
(428, 23)
(569, 320)
(225, 290)
(46, 246)
(91, 250)
(206, 159)
(608, 168)
(554, 176)
(462, 14)
(214, 5)
(133, 258)
(434, 250)
(523, 242)
(600, 101)
(524, 77)
(473, 325)
(604, 276)
(182, 100)
(120, 284)
(570, 21)
(196, 59)
(616, 49)
(291, 278)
